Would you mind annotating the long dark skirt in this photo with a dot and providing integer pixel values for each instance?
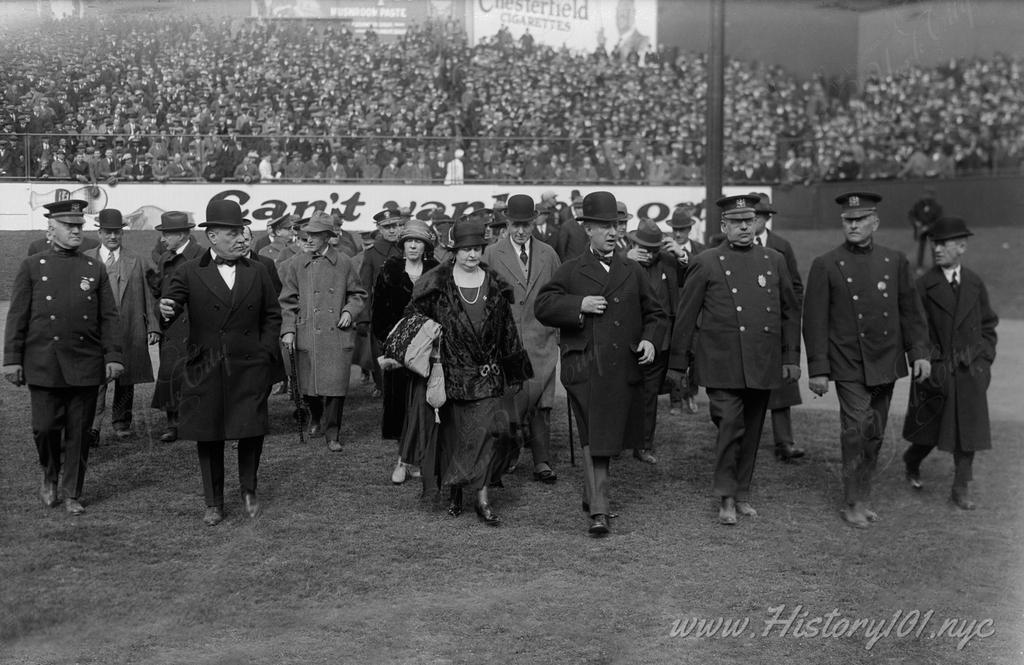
(395, 394)
(417, 444)
(475, 444)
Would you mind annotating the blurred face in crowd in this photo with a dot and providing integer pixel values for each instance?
(227, 241)
(413, 249)
(521, 232)
(311, 243)
(468, 258)
(738, 231)
(602, 236)
(390, 230)
(859, 231)
(682, 236)
(247, 237)
(111, 238)
(620, 229)
(68, 236)
(760, 223)
(948, 252)
(173, 240)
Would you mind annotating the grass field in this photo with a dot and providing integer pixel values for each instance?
(995, 253)
(344, 567)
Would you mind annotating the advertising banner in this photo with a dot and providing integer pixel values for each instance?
(386, 17)
(580, 25)
(142, 204)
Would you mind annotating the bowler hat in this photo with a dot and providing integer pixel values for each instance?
(69, 211)
(521, 209)
(858, 204)
(468, 234)
(647, 234)
(948, 228)
(738, 207)
(599, 208)
(174, 220)
(681, 220)
(110, 218)
(417, 230)
(223, 212)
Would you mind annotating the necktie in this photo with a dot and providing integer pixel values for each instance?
(221, 261)
(523, 256)
(111, 262)
(954, 283)
(758, 241)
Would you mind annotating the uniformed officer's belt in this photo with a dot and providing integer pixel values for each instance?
(486, 370)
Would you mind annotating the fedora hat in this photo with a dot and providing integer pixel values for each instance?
(647, 234)
(521, 209)
(763, 204)
(174, 220)
(600, 208)
(110, 218)
(681, 220)
(224, 213)
(417, 230)
(468, 234)
(620, 208)
(949, 228)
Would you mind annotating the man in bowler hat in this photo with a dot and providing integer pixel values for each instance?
(950, 410)
(611, 325)
(862, 322)
(140, 326)
(234, 325)
(739, 315)
(62, 340)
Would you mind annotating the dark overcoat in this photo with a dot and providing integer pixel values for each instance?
(317, 291)
(62, 325)
(137, 311)
(374, 258)
(862, 316)
(598, 353)
(232, 340)
(475, 362)
(789, 393)
(391, 294)
(571, 241)
(174, 342)
(739, 314)
(951, 406)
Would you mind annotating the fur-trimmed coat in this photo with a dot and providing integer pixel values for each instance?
(477, 363)
(391, 294)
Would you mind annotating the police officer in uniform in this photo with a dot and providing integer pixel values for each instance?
(62, 339)
(738, 302)
(862, 321)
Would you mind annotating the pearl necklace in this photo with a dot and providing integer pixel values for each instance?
(467, 300)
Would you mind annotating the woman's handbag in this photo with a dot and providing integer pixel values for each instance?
(436, 396)
(410, 342)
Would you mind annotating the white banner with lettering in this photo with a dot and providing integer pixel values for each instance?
(580, 25)
(142, 204)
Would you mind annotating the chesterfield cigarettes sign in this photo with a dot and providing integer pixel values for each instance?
(356, 203)
(581, 25)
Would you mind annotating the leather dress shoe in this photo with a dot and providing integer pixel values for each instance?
(961, 501)
(170, 435)
(48, 493)
(486, 514)
(787, 452)
(334, 446)
(213, 516)
(455, 502)
(546, 476)
(252, 504)
(645, 455)
(315, 430)
(73, 506)
(586, 508)
(744, 508)
(727, 512)
(914, 479)
(855, 517)
(598, 526)
(870, 515)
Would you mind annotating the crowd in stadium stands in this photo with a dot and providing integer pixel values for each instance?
(159, 99)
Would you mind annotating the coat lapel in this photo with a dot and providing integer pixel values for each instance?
(938, 290)
(245, 279)
(617, 275)
(591, 268)
(214, 282)
(507, 255)
(969, 292)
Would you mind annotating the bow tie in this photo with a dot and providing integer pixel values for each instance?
(607, 260)
(221, 261)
